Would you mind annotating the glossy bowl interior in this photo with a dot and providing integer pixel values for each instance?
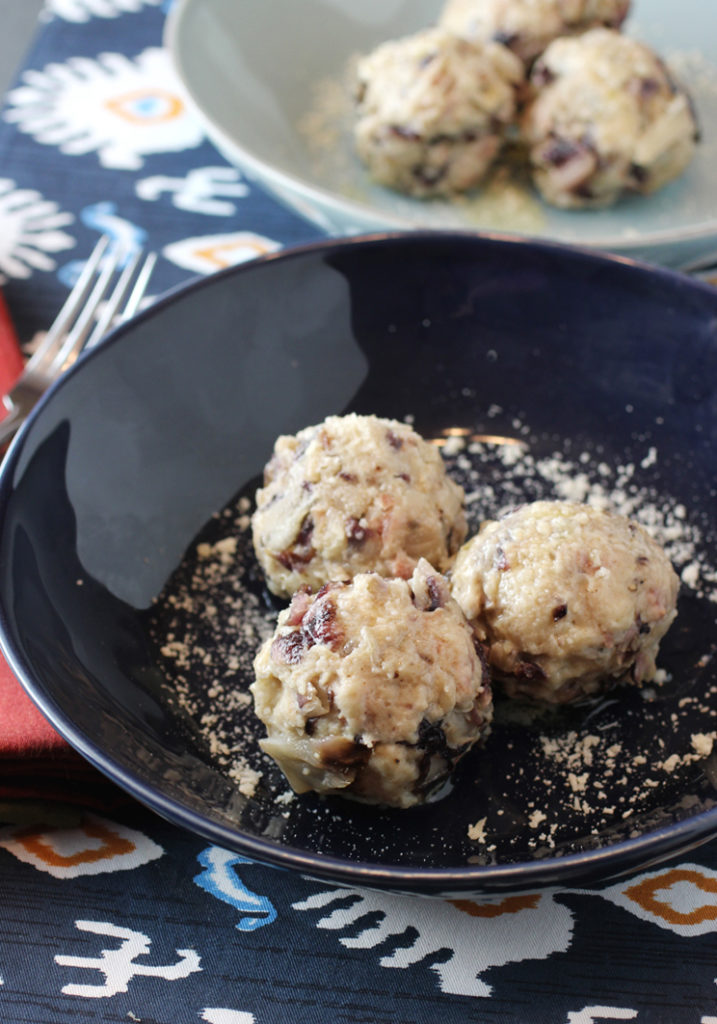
(590, 368)
(278, 104)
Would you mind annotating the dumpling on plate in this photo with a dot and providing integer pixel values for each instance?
(433, 111)
(568, 600)
(372, 688)
(606, 119)
(528, 26)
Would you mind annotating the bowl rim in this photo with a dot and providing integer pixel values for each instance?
(295, 189)
(623, 856)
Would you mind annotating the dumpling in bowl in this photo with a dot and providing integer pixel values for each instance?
(568, 600)
(354, 494)
(433, 111)
(607, 120)
(372, 688)
(528, 26)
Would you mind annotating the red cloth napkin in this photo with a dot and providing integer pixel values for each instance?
(24, 730)
(11, 359)
(35, 761)
(37, 764)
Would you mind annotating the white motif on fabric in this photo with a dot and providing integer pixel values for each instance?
(120, 108)
(30, 229)
(220, 880)
(492, 933)
(592, 1014)
(96, 846)
(681, 899)
(119, 965)
(204, 255)
(83, 10)
(216, 1015)
(198, 191)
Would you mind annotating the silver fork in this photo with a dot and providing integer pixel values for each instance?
(79, 325)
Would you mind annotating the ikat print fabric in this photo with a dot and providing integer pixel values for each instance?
(130, 919)
(121, 917)
(97, 137)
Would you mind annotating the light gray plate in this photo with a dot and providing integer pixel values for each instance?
(269, 81)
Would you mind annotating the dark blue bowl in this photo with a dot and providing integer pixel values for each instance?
(597, 364)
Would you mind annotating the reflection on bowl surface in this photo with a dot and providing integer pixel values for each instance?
(132, 604)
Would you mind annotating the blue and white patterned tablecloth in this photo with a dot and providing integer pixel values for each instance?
(95, 137)
(120, 917)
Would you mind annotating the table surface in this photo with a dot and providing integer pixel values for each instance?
(111, 914)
